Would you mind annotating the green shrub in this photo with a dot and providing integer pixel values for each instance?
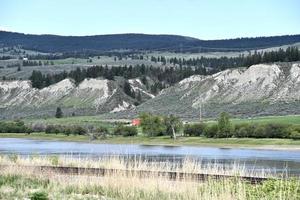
(100, 132)
(211, 131)
(54, 160)
(53, 129)
(244, 130)
(13, 158)
(78, 130)
(276, 130)
(75, 130)
(125, 130)
(13, 127)
(294, 132)
(40, 195)
(197, 129)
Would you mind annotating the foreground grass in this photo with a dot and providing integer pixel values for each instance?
(17, 182)
(166, 140)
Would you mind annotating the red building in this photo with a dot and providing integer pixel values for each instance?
(136, 122)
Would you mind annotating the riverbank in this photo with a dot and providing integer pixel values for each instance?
(274, 144)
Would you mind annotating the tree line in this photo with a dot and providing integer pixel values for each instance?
(36, 63)
(288, 55)
(162, 77)
(167, 76)
(159, 125)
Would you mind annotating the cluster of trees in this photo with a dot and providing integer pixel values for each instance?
(5, 57)
(94, 133)
(125, 131)
(288, 55)
(36, 63)
(163, 76)
(156, 125)
(14, 127)
(224, 129)
(161, 59)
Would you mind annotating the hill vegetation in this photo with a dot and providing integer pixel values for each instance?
(136, 42)
(169, 75)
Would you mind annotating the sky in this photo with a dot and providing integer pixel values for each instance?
(203, 19)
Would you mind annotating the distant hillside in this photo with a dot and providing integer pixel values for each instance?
(264, 89)
(90, 97)
(135, 42)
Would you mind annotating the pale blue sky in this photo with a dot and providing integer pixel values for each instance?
(204, 19)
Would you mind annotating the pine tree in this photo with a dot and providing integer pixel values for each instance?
(139, 96)
(36, 79)
(59, 113)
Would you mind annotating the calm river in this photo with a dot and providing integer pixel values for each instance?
(277, 160)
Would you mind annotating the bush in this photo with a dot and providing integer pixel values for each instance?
(75, 130)
(53, 129)
(276, 131)
(78, 130)
(100, 132)
(294, 132)
(243, 130)
(125, 130)
(40, 195)
(38, 127)
(211, 131)
(269, 130)
(197, 129)
(13, 127)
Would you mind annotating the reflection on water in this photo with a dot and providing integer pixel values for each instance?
(276, 160)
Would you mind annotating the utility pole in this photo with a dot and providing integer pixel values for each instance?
(200, 108)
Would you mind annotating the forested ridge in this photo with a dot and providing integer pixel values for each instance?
(164, 77)
(136, 42)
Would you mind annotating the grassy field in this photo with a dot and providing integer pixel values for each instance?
(83, 121)
(100, 121)
(17, 182)
(288, 119)
(166, 140)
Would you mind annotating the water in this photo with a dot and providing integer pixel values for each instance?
(279, 161)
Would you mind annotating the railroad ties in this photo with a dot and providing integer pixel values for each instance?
(171, 175)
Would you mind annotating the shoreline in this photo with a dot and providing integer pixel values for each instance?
(240, 143)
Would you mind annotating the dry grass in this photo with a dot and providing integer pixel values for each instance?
(188, 165)
(18, 182)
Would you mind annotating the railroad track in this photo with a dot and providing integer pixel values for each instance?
(171, 175)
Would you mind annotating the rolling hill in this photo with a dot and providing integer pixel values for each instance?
(136, 42)
(264, 89)
(90, 97)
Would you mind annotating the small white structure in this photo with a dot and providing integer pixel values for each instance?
(25, 59)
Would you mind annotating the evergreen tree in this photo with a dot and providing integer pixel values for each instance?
(37, 79)
(59, 113)
(127, 89)
(139, 96)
